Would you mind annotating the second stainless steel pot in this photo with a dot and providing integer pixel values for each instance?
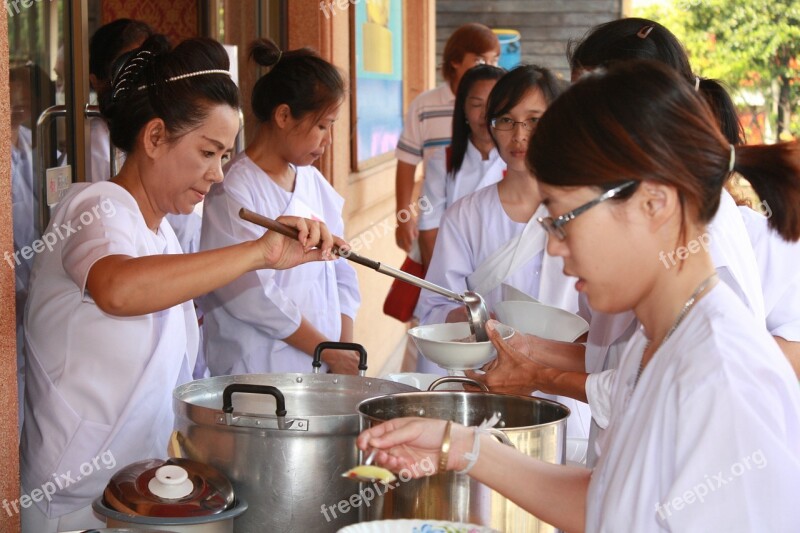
(534, 426)
(283, 440)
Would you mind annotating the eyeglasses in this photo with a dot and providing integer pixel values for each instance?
(555, 226)
(507, 124)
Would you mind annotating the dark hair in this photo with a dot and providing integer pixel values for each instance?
(638, 38)
(110, 40)
(512, 88)
(141, 88)
(298, 78)
(472, 38)
(639, 120)
(461, 130)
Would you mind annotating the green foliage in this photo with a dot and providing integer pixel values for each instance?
(747, 44)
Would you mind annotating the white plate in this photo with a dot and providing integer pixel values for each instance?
(416, 526)
(438, 342)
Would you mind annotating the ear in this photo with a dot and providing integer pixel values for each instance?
(658, 203)
(154, 135)
(282, 115)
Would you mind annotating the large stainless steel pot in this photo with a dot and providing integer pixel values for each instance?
(283, 440)
(534, 426)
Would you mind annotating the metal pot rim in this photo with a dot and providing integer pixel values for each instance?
(535, 399)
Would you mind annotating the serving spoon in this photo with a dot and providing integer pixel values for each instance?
(476, 307)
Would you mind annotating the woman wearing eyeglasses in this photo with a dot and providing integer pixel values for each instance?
(706, 427)
(490, 239)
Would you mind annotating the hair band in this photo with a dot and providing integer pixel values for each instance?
(732, 162)
(190, 75)
(645, 31)
(280, 55)
(697, 84)
(198, 73)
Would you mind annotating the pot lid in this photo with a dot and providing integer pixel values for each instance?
(173, 488)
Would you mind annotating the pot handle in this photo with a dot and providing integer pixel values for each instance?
(280, 402)
(458, 379)
(321, 347)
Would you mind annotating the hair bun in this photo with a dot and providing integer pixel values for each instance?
(265, 52)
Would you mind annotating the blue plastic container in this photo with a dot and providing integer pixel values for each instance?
(510, 48)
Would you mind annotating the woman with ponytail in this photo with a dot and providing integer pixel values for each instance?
(110, 326)
(705, 408)
(760, 269)
(471, 162)
(273, 321)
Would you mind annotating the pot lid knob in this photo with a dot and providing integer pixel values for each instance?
(171, 482)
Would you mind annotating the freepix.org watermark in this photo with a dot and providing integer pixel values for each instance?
(703, 242)
(60, 482)
(710, 484)
(59, 232)
(369, 493)
(15, 6)
(377, 231)
(329, 7)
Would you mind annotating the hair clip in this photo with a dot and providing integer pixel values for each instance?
(696, 83)
(645, 31)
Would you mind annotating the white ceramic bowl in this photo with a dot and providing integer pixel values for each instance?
(415, 526)
(541, 320)
(438, 342)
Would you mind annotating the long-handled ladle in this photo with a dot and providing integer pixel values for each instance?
(476, 308)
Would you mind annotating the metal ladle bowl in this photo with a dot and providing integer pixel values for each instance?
(477, 314)
(476, 307)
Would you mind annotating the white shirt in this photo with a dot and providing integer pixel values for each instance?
(442, 190)
(709, 440)
(428, 126)
(96, 383)
(472, 230)
(760, 270)
(246, 319)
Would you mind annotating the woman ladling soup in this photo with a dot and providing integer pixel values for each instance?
(702, 388)
(110, 328)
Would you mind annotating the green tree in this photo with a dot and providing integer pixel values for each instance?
(752, 45)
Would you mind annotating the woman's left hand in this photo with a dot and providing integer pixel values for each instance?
(409, 444)
(315, 244)
(512, 372)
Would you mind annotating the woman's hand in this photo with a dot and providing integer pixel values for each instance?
(406, 443)
(315, 244)
(341, 361)
(513, 371)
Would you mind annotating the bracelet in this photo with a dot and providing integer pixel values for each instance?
(444, 454)
(472, 457)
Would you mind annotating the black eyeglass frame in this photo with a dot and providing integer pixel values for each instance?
(514, 123)
(555, 226)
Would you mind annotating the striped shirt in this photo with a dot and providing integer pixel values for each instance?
(428, 125)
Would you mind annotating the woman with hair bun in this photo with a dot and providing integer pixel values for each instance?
(705, 429)
(110, 327)
(272, 321)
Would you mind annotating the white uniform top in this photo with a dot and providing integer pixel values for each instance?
(245, 320)
(770, 289)
(428, 126)
(473, 229)
(709, 440)
(24, 218)
(442, 190)
(97, 384)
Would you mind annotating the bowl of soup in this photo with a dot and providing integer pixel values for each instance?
(453, 347)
